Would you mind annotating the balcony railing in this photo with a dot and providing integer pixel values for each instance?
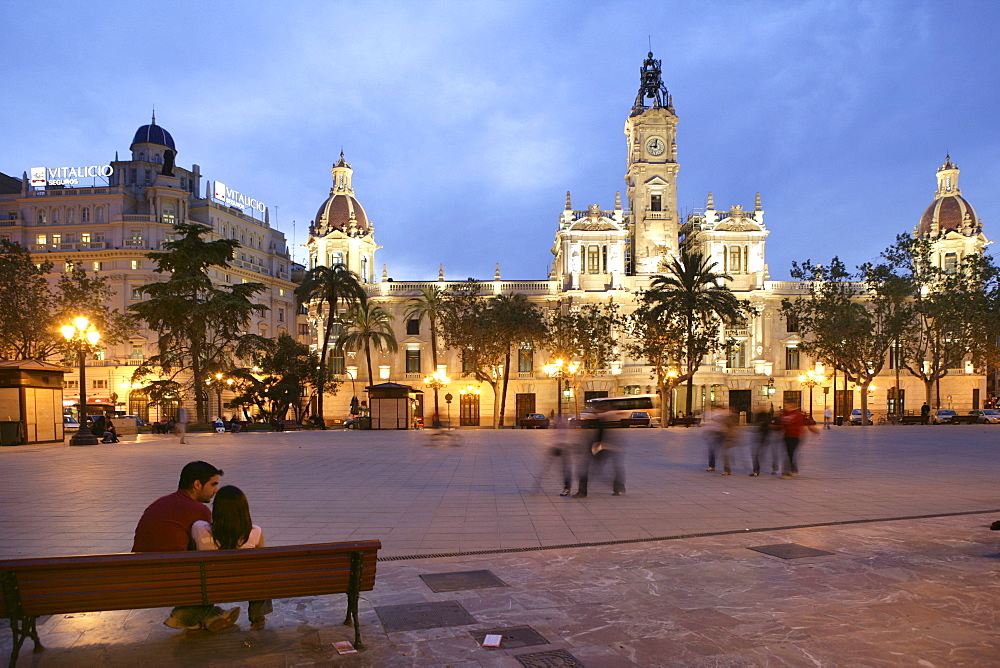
(70, 246)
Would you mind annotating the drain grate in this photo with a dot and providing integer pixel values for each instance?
(556, 658)
(420, 616)
(513, 637)
(790, 551)
(443, 582)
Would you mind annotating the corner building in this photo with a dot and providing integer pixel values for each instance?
(609, 255)
(128, 209)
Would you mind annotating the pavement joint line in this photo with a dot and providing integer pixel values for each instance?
(704, 534)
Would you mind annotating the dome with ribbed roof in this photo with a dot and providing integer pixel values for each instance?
(153, 134)
(949, 211)
(341, 211)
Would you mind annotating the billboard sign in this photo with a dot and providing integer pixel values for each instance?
(230, 197)
(67, 176)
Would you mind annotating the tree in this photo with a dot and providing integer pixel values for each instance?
(950, 314)
(516, 322)
(284, 371)
(327, 288)
(692, 297)
(367, 326)
(586, 335)
(850, 320)
(428, 305)
(198, 323)
(466, 323)
(34, 311)
(657, 338)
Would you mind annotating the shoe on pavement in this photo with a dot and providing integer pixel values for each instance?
(618, 493)
(259, 624)
(755, 473)
(726, 473)
(710, 468)
(786, 477)
(217, 623)
(565, 492)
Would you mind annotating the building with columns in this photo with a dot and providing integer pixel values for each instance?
(609, 255)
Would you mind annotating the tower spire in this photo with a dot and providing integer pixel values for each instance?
(651, 86)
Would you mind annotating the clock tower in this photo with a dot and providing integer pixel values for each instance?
(651, 177)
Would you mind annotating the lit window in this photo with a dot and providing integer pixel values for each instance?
(100, 384)
(412, 361)
(41, 239)
(85, 237)
(98, 266)
(169, 213)
(136, 264)
(525, 359)
(136, 293)
(57, 239)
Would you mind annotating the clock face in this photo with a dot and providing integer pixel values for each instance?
(655, 146)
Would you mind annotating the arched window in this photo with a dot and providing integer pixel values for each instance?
(100, 214)
(71, 216)
(364, 268)
(142, 156)
(55, 215)
(85, 215)
(41, 217)
(157, 159)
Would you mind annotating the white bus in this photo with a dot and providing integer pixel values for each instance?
(614, 409)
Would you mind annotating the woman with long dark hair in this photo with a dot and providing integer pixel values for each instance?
(232, 529)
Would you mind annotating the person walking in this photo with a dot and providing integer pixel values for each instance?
(607, 447)
(717, 427)
(182, 423)
(925, 413)
(165, 526)
(232, 529)
(827, 417)
(762, 444)
(793, 423)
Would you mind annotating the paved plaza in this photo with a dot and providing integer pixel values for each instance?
(909, 573)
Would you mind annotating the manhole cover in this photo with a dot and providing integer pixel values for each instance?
(419, 616)
(462, 580)
(790, 551)
(551, 659)
(513, 637)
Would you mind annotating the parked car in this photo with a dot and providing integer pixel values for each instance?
(942, 416)
(637, 419)
(70, 423)
(986, 415)
(856, 416)
(533, 421)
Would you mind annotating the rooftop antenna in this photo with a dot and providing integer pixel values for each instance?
(650, 39)
(154, 114)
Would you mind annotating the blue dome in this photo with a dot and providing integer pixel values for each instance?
(153, 134)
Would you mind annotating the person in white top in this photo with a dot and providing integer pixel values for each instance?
(232, 529)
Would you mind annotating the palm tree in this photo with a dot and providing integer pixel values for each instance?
(328, 287)
(692, 292)
(367, 325)
(429, 305)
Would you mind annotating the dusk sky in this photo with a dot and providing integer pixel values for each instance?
(467, 122)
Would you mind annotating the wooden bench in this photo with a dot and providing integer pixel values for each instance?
(684, 422)
(286, 425)
(58, 585)
(908, 419)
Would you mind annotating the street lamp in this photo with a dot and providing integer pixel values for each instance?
(436, 381)
(82, 335)
(560, 370)
(811, 379)
(770, 393)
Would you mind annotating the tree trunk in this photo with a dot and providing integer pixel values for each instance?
(496, 402)
(434, 361)
(368, 358)
(318, 418)
(503, 395)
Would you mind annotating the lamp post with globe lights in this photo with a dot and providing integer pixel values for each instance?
(811, 379)
(436, 381)
(82, 336)
(560, 370)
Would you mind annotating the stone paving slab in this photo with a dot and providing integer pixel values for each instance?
(894, 592)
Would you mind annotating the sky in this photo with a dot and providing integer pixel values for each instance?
(466, 122)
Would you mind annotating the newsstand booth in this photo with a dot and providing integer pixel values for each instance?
(31, 397)
(391, 405)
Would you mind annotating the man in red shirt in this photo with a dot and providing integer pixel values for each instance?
(794, 423)
(165, 526)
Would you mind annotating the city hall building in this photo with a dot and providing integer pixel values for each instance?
(604, 255)
(109, 216)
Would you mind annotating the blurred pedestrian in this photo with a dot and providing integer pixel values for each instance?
(720, 426)
(182, 423)
(762, 443)
(607, 447)
(793, 422)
